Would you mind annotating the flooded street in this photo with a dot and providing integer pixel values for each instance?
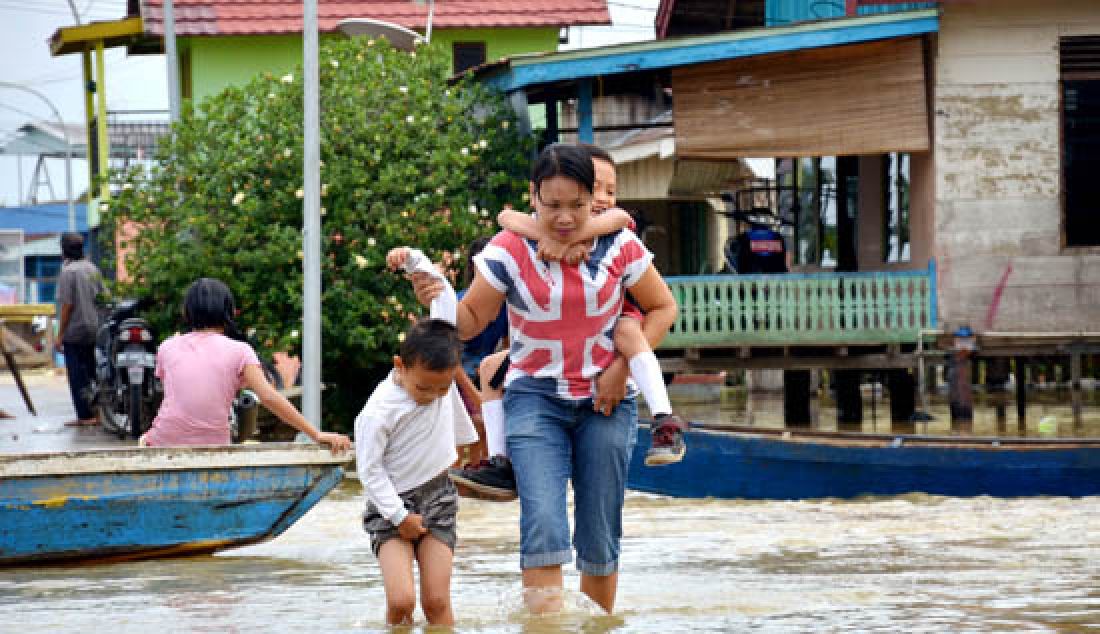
(914, 563)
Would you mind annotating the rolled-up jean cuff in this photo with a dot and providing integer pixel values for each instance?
(597, 570)
(541, 560)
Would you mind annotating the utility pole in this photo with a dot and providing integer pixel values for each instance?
(171, 60)
(311, 225)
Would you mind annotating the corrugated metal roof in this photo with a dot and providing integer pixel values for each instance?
(271, 17)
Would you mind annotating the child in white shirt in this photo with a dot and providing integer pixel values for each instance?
(405, 440)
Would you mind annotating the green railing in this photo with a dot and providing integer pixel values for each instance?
(803, 309)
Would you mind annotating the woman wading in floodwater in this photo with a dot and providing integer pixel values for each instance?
(564, 375)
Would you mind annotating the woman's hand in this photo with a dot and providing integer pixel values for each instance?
(426, 286)
(611, 386)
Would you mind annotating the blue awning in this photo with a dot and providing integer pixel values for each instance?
(530, 70)
(43, 219)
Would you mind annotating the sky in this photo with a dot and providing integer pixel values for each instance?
(138, 82)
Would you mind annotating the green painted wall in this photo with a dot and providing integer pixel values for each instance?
(218, 62)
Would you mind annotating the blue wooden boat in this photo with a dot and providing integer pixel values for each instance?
(121, 504)
(777, 464)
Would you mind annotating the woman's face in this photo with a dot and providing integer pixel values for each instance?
(564, 207)
(603, 195)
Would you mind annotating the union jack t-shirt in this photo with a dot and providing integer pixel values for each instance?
(561, 318)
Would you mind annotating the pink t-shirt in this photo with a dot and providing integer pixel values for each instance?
(202, 373)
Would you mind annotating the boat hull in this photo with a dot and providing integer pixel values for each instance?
(160, 503)
(756, 464)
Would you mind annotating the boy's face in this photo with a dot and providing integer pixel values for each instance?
(422, 384)
(603, 194)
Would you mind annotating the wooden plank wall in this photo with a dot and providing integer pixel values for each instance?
(998, 166)
(845, 100)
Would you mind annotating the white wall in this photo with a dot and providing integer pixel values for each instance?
(998, 168)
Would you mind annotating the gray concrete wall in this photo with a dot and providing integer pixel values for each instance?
(998, 168)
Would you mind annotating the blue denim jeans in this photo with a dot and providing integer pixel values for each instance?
(551, 441)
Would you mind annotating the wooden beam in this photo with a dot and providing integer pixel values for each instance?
(77, 39)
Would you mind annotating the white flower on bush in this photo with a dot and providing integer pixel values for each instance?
(299, 193)
(335, 63)
(288, 152)
(473, 209)
(465, 151)
(288, 78)
(410, 119)
(360, 261)
(483, 144)
(371, 242)
(238, 199)
(404, 90)
(293, 334)
(504, 124)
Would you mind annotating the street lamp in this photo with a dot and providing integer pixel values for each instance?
(68, 147)
(398, 36)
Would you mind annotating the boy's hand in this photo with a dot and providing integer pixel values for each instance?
(395, 259)
(576, 254)
(412, 527)
(551, 250)
(337, 443)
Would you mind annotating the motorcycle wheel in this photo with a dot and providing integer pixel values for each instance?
(112, 414)
(135, 411)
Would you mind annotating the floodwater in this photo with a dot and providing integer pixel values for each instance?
(914, 563)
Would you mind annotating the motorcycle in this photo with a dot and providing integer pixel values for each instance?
(758, 249)
(125, 390)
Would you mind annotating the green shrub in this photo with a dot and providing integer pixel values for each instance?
(406, 159)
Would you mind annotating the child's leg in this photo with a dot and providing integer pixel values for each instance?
(492, 408)
(630, 341)
(395, 557)
(435, 559)
(667, 446)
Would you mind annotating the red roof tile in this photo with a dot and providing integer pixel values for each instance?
(270, 17)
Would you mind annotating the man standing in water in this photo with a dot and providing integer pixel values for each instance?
(79, 284)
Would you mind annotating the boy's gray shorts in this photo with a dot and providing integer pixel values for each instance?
(436, 501)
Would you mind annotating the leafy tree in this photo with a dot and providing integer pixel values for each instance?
(406, 159)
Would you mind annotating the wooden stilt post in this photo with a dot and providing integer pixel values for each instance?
(960, 394)
(1075, 387)
(996, 378)
(1021, 393)
(849, 402)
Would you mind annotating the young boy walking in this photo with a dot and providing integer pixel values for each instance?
(405, 440)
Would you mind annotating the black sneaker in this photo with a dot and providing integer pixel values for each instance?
(668, 441)
(491, 479)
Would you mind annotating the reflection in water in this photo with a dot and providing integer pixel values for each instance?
(909, 563)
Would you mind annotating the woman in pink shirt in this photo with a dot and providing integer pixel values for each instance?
(202, 372)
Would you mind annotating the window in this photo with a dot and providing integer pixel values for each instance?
(1080, 66)
(467, 55)
(807, 198)
(895, 208)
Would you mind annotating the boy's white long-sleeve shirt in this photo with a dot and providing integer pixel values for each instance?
(400, 445)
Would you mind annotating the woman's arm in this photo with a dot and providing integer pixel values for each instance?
(479, 306)
(654, 297)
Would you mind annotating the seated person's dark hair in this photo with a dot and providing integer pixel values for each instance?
(432, 344)
(209, 303)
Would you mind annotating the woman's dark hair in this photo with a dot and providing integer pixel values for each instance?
(560, 159)
(477, 246)
(72, 245)
(209, 304)
(432, 344)
(598, 153)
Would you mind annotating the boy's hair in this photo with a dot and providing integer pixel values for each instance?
(433, 344)
(209, 304)
(598, 153)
